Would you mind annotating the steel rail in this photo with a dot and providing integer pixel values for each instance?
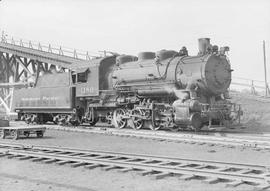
(101, 152)
(158, 166)
(258, 142)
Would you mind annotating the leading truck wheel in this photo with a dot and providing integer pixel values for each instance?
(119, 120)
(196, 121)
(2, 134)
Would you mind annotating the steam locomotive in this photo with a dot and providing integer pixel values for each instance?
(166, 89)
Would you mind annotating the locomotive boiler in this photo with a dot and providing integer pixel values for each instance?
(166, 89)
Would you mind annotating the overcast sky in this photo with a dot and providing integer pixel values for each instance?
(131, 26)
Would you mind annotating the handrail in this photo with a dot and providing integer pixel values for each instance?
(60, 50)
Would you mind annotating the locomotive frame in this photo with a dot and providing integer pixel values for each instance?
(169, 89)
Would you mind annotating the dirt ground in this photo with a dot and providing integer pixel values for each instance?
(25, 175)
(256, 115)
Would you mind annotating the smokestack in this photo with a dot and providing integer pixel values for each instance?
(204, 43)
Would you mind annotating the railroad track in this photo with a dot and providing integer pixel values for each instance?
(211, 172)
(258, 142)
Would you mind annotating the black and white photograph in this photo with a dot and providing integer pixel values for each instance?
(125, 95)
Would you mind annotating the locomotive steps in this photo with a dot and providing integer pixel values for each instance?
(158, 167)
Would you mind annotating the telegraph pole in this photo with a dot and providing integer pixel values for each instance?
(265, 74)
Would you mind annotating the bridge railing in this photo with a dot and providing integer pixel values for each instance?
(254, 87)
(50, 48)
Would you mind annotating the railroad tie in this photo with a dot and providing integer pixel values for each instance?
(92, 166)
(200, 166)
(162, 175)
(74, 154)
(223, 169)
(37, 159)
(244, 171)
(149, 161)
(183, 165)
(186, 177)
(211, 180)
(263, 186)
(115, 158)
(166, 163)
(49, 151)
(24, 157)
(145, 172)
(62, 152)
(47, 161)
(77, 164)
(234, 183)
(12, 156)
(125, 169)
(63, 162)
(3, 154)
(85, 155)
(111, 167)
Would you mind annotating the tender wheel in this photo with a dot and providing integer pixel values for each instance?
(26, 133)
(14, 134)
(119, 119)
(136, 118)
(2, 134)
(39, 134)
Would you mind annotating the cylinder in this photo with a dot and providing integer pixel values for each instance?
(204, 43)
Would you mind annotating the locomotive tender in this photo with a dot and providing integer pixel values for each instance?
(167, 89)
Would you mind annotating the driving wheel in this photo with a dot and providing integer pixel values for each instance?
(119, 119)
(137, 119)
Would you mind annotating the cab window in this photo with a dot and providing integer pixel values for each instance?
(82, 77)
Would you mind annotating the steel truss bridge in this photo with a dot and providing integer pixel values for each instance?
(21, 62)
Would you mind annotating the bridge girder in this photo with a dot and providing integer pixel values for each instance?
(16, 71)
